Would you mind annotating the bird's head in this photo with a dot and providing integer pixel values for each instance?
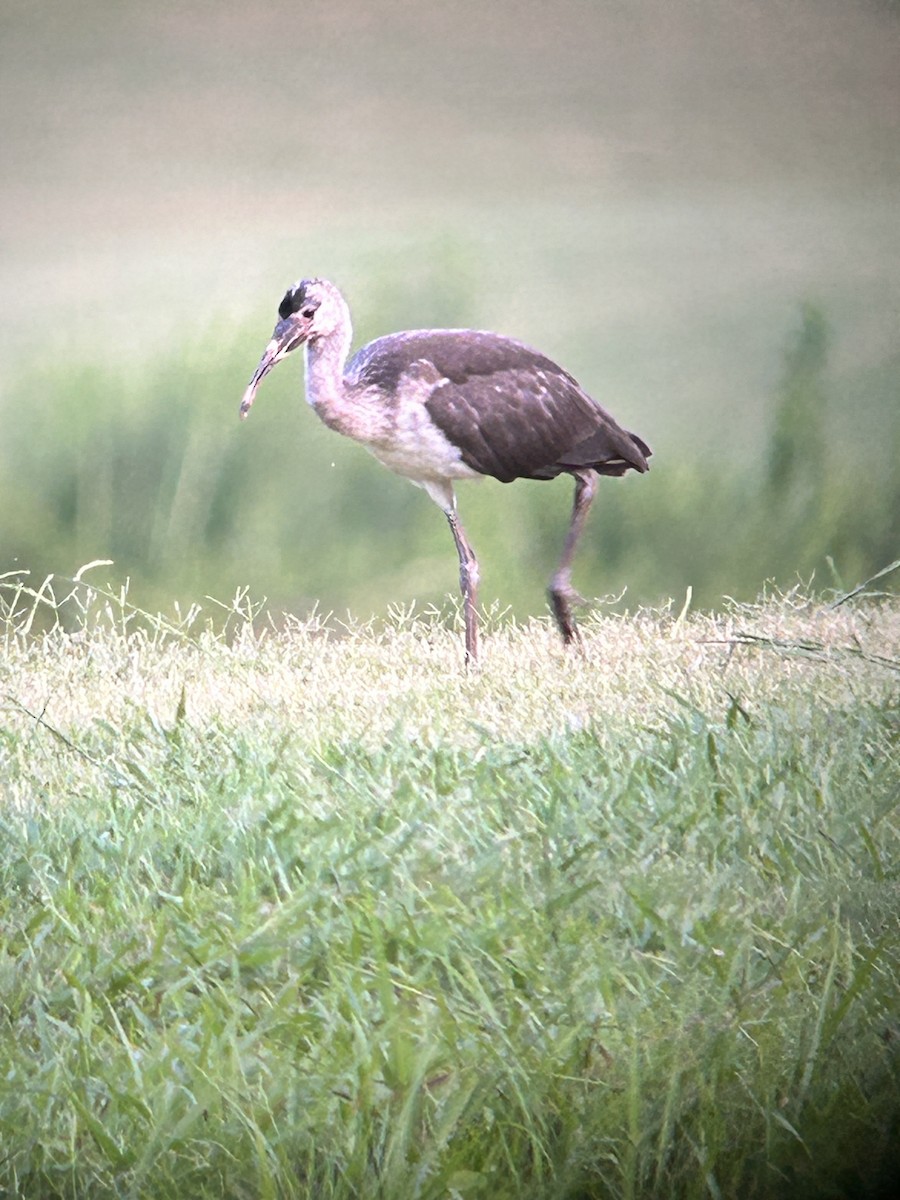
(310, 310)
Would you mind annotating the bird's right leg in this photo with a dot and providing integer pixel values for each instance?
(468, 583)
(562, 594)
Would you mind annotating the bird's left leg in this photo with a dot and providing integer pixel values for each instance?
(468, 583)
(441, 492)
(562, 594)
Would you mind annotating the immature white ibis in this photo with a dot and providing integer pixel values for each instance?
(437, 405)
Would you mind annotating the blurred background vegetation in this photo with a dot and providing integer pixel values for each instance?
(690, 205)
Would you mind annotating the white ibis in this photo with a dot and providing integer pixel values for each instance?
(438, 405)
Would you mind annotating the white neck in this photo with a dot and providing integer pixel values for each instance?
(325, 386)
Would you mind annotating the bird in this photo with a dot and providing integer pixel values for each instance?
(439, 406)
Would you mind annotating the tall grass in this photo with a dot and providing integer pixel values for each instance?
(290, 910)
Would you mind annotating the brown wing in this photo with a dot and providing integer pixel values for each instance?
(512, 411)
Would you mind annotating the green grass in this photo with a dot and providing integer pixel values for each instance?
(298, 911)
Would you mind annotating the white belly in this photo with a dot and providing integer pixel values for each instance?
(422, 453)
(396, 428)
(412, 445)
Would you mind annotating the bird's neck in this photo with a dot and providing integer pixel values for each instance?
(325, 386)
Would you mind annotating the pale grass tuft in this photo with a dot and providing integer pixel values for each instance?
(236, 664)
(101, 660)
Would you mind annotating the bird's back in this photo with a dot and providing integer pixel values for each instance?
(512, 412)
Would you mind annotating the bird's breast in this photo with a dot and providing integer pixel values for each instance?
(411, 444)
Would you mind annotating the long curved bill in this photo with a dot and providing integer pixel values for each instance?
(287, 336)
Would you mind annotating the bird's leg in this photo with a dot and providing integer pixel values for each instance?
(562, 594)
(468, 583)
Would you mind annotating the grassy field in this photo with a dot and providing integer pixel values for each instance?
(289, 909)
(291, 906)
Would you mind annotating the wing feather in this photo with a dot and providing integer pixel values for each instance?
(513, 412)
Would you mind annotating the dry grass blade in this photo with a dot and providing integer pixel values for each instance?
(861, 589)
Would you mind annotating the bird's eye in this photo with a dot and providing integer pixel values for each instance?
(308, 313)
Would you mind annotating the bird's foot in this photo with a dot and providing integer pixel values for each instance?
(471, 659)
(563, 598)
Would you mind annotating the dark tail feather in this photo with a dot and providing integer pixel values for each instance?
(609, 451)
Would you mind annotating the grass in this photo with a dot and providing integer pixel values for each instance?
(295, 910)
